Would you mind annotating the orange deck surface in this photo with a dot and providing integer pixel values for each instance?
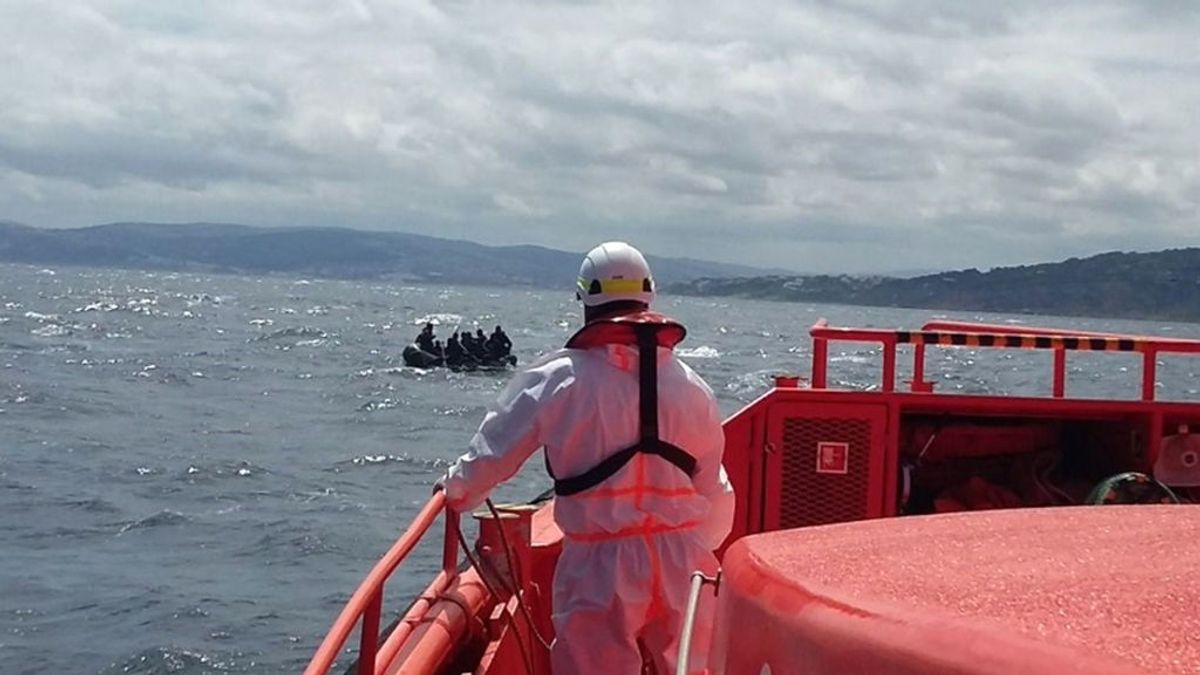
(1113, 582)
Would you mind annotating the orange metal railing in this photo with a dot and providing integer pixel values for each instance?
(367, 602)
(964, 334)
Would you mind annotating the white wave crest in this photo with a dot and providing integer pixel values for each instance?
(439, 320)
(701, 352)
(50, 330)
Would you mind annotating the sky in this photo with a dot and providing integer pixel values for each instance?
(822, 137)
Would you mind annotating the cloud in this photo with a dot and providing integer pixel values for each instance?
(860, 135)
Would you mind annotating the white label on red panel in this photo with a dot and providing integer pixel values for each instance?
(833, 457)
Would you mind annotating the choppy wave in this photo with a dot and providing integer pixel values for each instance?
(177, 661)
(147, 306)
(305, 332)
(163, 518)
(162, 376)
(752, 384)
(98, 306)
(854, 358)
(388, 458)
(440, 319)
(380, 404)
(702, 352)
(415, 373)
(51, 330)
(93, 505)
(458, 411)
(199, 473)
(21, 397)
(7, 483)
(289, 544)
(197, 299)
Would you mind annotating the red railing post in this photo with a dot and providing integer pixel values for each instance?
(368, 642)
(1149, 373)
(1060, 373)
(820, 357)
(889, 365)
(918, 376)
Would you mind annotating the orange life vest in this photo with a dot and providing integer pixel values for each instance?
(648, 331)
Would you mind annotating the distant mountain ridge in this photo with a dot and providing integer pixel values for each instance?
(1160, 285)
(321, 252)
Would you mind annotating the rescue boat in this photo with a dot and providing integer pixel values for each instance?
(899, 529)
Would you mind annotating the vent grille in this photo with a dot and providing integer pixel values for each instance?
(811, 498)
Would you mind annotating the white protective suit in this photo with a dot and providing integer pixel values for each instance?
(632, 542)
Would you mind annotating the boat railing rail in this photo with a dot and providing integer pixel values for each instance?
(366, 605)
(966, 334)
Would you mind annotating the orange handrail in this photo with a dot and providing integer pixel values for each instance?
(952, 333)
(1178, 345)
(1005, 329)
(367, 601)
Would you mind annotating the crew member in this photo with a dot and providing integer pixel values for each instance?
(637, 526)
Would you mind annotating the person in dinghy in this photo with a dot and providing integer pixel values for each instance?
(426, 351)
(633, 440)
(461, 352)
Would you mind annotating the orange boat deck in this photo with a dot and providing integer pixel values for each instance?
(1099, 590)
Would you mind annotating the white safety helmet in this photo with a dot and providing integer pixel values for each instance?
(614, 271)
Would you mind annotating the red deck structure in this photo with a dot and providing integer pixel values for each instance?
(1075, 590)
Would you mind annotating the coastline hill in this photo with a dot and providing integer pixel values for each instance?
(320, 252)
(1159, 285)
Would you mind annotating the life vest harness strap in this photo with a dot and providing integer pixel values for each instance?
(649, 442)
(565, 487)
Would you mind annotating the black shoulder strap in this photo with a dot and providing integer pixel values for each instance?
(649, 441)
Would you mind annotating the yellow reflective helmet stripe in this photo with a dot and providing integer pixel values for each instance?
(622, 285)
(612, 285)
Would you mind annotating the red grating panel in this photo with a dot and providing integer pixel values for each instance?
(812, 498)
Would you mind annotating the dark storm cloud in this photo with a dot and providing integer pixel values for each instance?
(856, 135)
